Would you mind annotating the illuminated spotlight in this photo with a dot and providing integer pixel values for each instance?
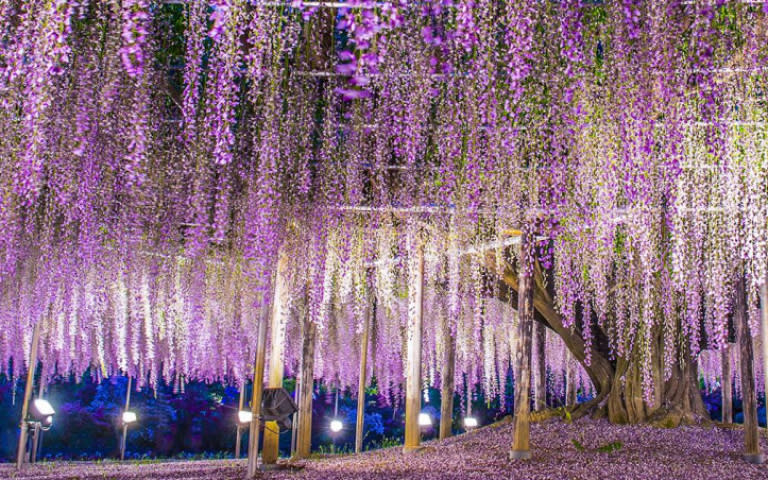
(42, 411)
(244, 416)
(470, 423)
(336, 426)
(129, 418)
(425, 420)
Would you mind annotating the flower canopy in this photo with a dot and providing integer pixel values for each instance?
(158, 158)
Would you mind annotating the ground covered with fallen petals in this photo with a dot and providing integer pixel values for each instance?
(583, 450)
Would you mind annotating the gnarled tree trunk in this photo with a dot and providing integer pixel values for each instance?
(618, 382)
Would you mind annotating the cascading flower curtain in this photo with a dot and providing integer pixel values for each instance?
(157, 159)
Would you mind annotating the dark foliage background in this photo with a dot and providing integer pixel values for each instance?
(201, 421)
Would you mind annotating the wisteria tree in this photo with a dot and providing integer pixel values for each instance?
(159, 160)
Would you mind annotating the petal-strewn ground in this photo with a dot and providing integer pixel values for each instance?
(583, 450)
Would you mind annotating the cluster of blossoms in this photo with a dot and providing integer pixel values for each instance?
(136, 17)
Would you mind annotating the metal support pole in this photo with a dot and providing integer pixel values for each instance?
(125, 425)
(37, 433)
(335, 416)
(31, 367)
(238, 440)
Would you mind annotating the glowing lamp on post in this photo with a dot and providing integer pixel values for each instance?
(129, 418)
(42, 412)
(244, 416)
(336, 426)
(470, 423)
(425, 421)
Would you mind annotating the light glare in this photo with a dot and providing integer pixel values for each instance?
(425, 420)
(336, 426)
(244, 416)
(129, 417)
(470, 422)
(42, 408)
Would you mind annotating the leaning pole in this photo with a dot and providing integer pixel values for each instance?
(371, 311)
(124, 438)
(31, 367)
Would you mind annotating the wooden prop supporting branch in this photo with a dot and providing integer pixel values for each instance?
(362, 379)
(571, 385)
(764, 330)
(271, 447)
(521, 444)
(31, 367)
(540, 374)
(306, 383)
(258, 389)
(746, 359)
(413, 371)
(124, 437)
(447, 387)
(240, 403)
(726, 384)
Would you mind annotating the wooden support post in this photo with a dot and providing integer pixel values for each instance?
(271, 448)
(124, 437)
(521, 444)
(764, 343)
(31, 367)
(306, 384)
(240, 403)
(746, 359)
(571, 386)
(413, 370)
(540, 375)
(447, 382)
(256, 394)
(726, 384)
(362, 378)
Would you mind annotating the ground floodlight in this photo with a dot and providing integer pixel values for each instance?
(129, 418)
(278, 406)
(41, 411)
(244, 416)
(336, 426)
(470, 423)
(425, 420)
